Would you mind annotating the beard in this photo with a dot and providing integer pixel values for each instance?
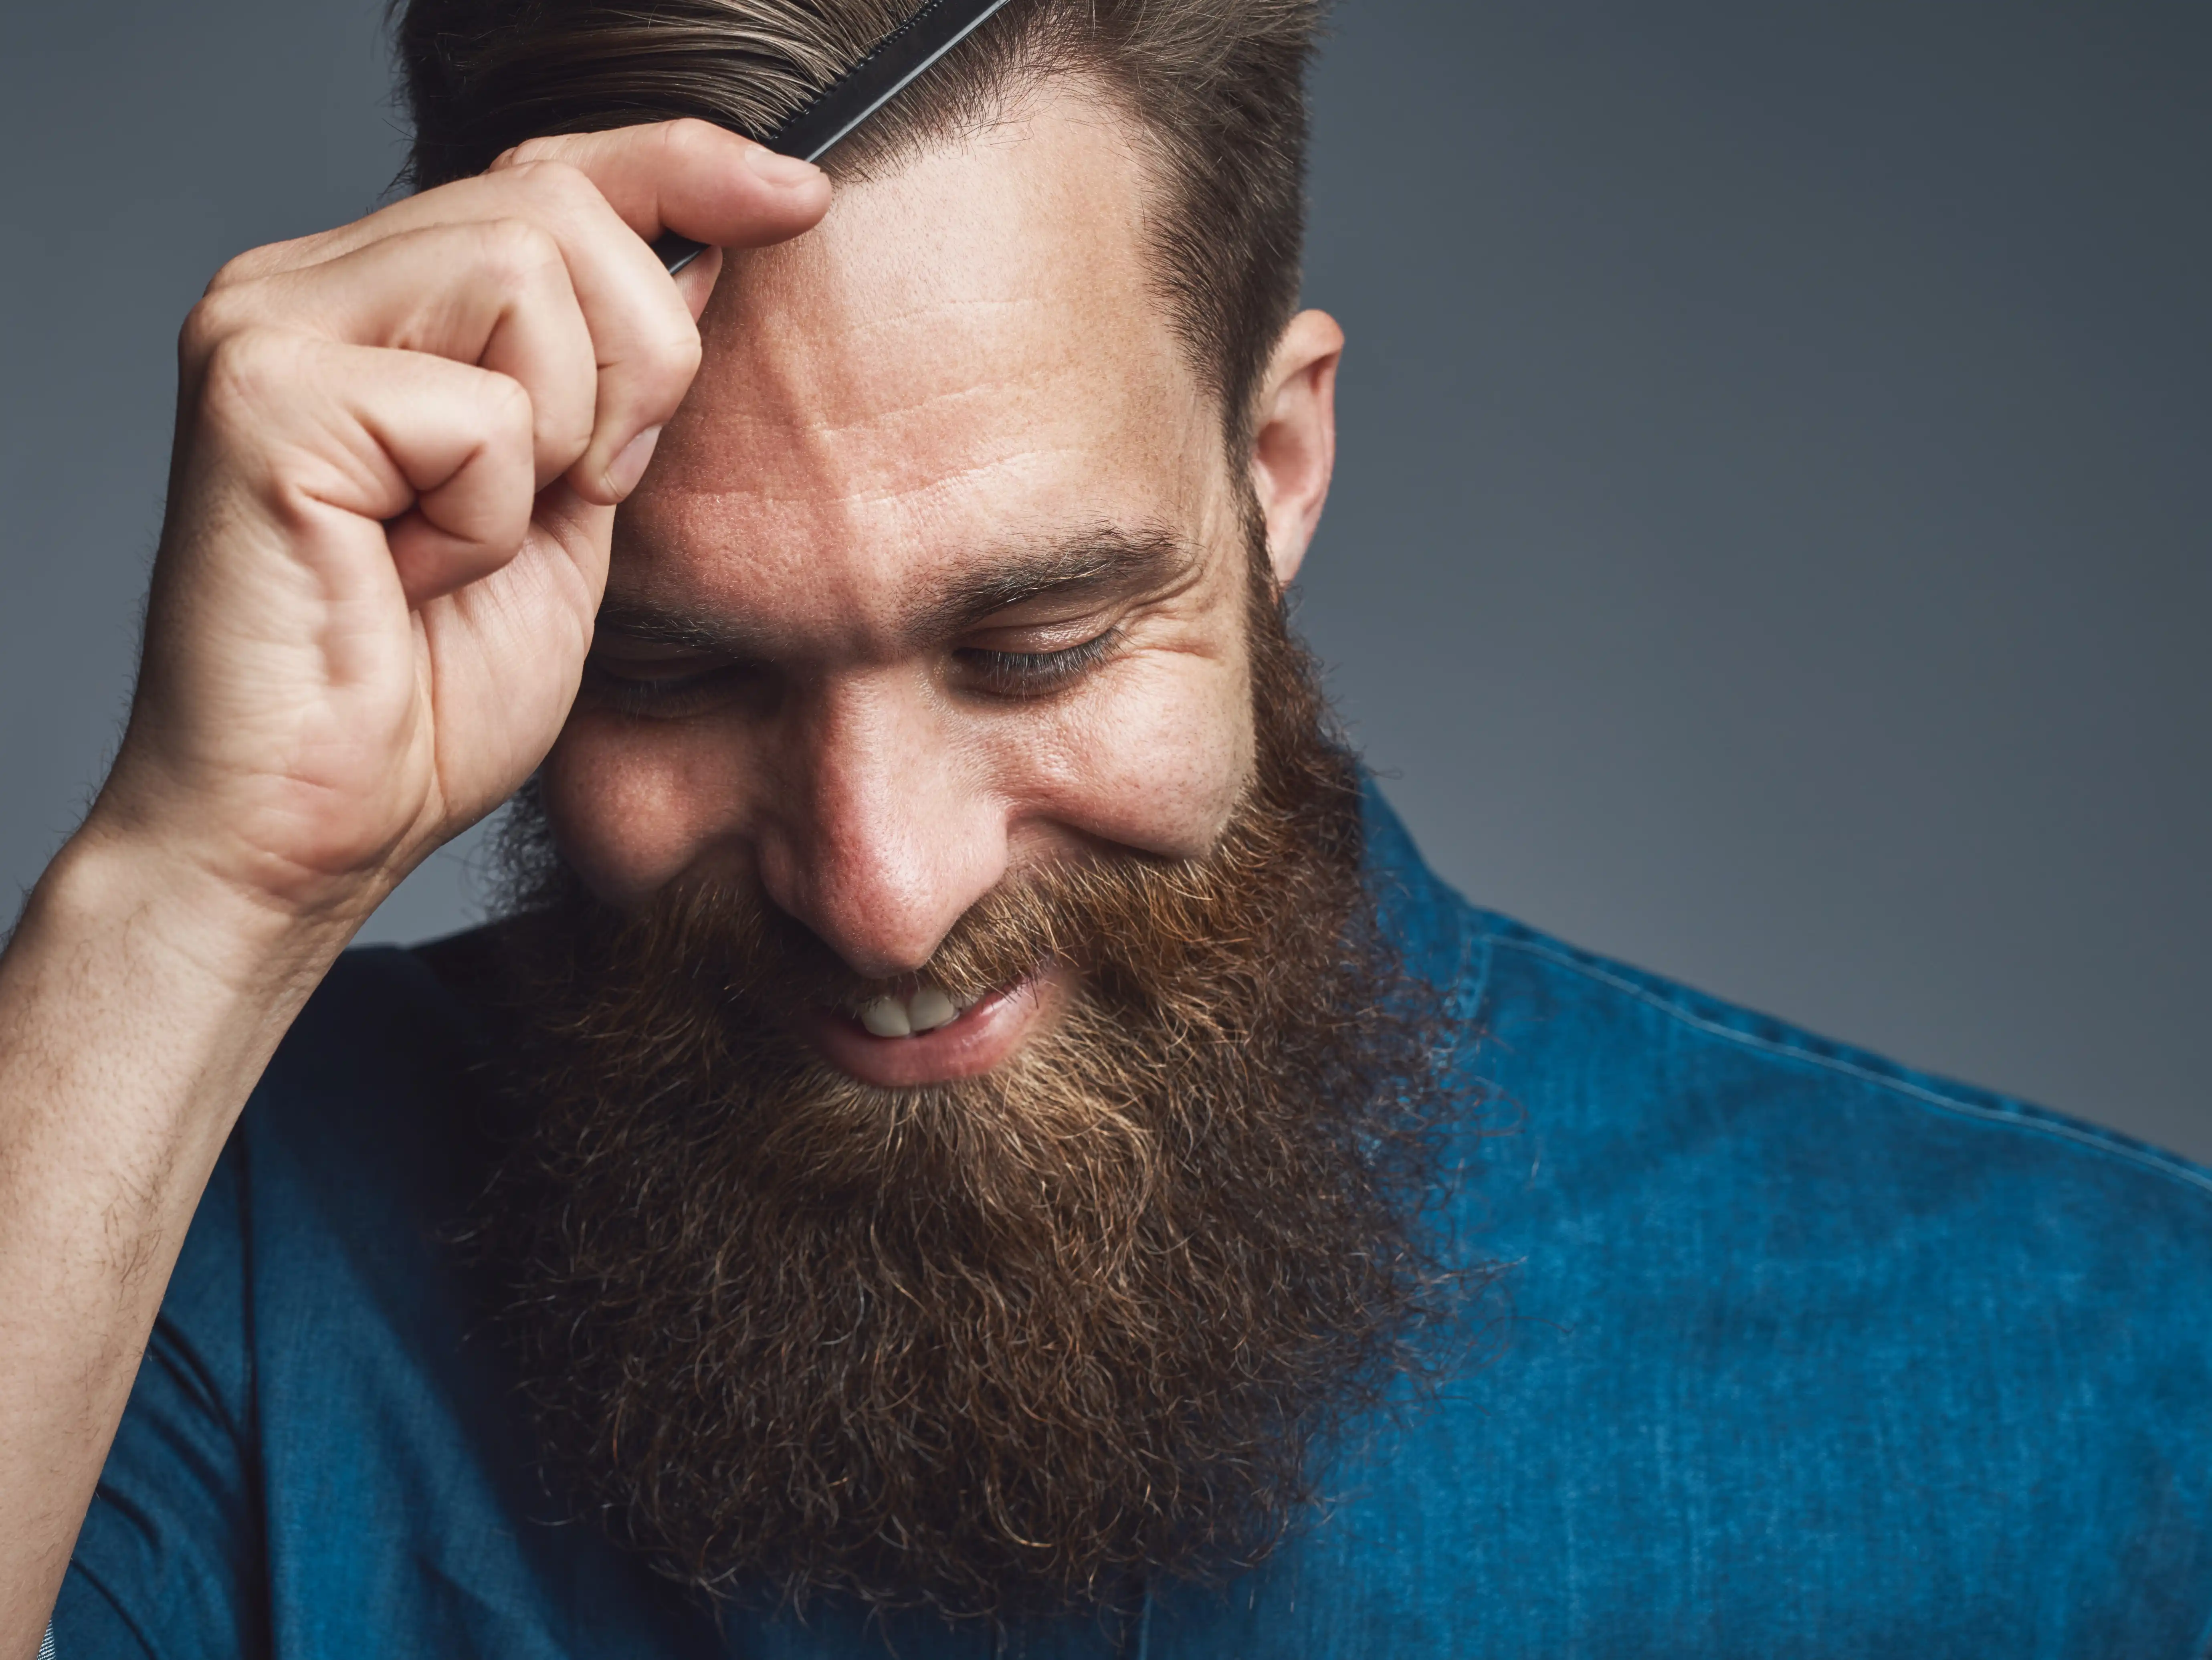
(1000, 1347)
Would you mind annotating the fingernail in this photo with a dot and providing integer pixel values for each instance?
(786, 172)
(629, 466)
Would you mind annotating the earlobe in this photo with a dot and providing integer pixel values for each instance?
(1294, 437)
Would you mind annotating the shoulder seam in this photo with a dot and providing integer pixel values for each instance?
(1470, 984)
(1470, 981)
(2143, 1157)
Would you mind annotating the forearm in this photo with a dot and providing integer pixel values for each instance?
(138, 1005)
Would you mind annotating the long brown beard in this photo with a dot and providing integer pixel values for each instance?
(1005, 1346)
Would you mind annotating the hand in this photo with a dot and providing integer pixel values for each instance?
(399, 445)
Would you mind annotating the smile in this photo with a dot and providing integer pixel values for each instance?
(930, 1037)
(927, 1011)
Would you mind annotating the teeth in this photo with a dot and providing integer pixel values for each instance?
(929, 1008)
(926, 1010)
(886, 1018)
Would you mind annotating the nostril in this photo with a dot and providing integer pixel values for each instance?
(878, 864)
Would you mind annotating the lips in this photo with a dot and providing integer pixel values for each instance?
(931, 1037)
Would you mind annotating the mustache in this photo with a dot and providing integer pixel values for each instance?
(996, 1345)
(1120, 919)
(695, 997)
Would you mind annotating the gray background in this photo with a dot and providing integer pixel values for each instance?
(1770, 544)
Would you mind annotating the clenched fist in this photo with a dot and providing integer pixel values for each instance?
(399, 446)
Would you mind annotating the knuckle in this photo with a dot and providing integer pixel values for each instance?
(239, 268)
(508, 410)
(559, 184)
(690, 139)
(564, 429)
(660, 368)
(505, 398)
(514, 251)
(247, 371)
(208, 324)
(501, 415)
(529, 151)
(681, 353)
(255, 264)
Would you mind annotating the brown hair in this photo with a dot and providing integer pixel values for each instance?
(1011, 1346)
(1218, 87)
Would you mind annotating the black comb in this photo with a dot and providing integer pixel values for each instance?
(898, 60)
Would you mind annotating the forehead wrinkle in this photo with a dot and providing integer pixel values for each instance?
(929, 406)
(872, 316)
(929, 449)
(705, 498)
(1044, 384)
(932, 343)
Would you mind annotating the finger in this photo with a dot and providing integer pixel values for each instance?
(438, 451)
(692, 178)
(494, 293)
(460, 437)
(688, 176)
(644, 338)
(696, 282)
(644, 335)
(685, 175)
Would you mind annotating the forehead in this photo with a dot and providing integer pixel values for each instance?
(970, 353)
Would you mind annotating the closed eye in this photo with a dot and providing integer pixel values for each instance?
(1022, 674)
(667, 691)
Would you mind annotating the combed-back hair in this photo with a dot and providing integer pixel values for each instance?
(1218, 87)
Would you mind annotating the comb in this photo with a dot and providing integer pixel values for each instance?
(895, 63)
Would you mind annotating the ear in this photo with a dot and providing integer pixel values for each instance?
(1294, 437)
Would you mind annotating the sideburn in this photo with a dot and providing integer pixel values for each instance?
(1002, 1347)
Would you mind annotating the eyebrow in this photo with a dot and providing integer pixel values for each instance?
(1103, 564)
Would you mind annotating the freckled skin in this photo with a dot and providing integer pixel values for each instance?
(968, 356)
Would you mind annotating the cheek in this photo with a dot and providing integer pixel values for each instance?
(1156, 762)
(631, 807)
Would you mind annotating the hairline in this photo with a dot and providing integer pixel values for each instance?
(879, 150)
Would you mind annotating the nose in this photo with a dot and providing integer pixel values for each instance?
(883, 835)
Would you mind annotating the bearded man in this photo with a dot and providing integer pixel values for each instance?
(975, 1132)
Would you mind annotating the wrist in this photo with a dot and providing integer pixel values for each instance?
(149, 996)
(163, 903)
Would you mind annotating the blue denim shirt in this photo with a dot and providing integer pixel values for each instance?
(1807, 1355)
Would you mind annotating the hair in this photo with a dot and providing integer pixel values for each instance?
(1217, 88)
(1011, 1346)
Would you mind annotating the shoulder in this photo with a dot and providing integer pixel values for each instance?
(1572, 1042)
(1796, 1338)
(1627, 1063)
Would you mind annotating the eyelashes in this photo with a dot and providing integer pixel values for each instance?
(663, 696)
(1015, 676)
(1021, 674)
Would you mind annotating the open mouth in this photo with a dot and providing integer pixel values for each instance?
(928, 1036)
(928, 1010)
